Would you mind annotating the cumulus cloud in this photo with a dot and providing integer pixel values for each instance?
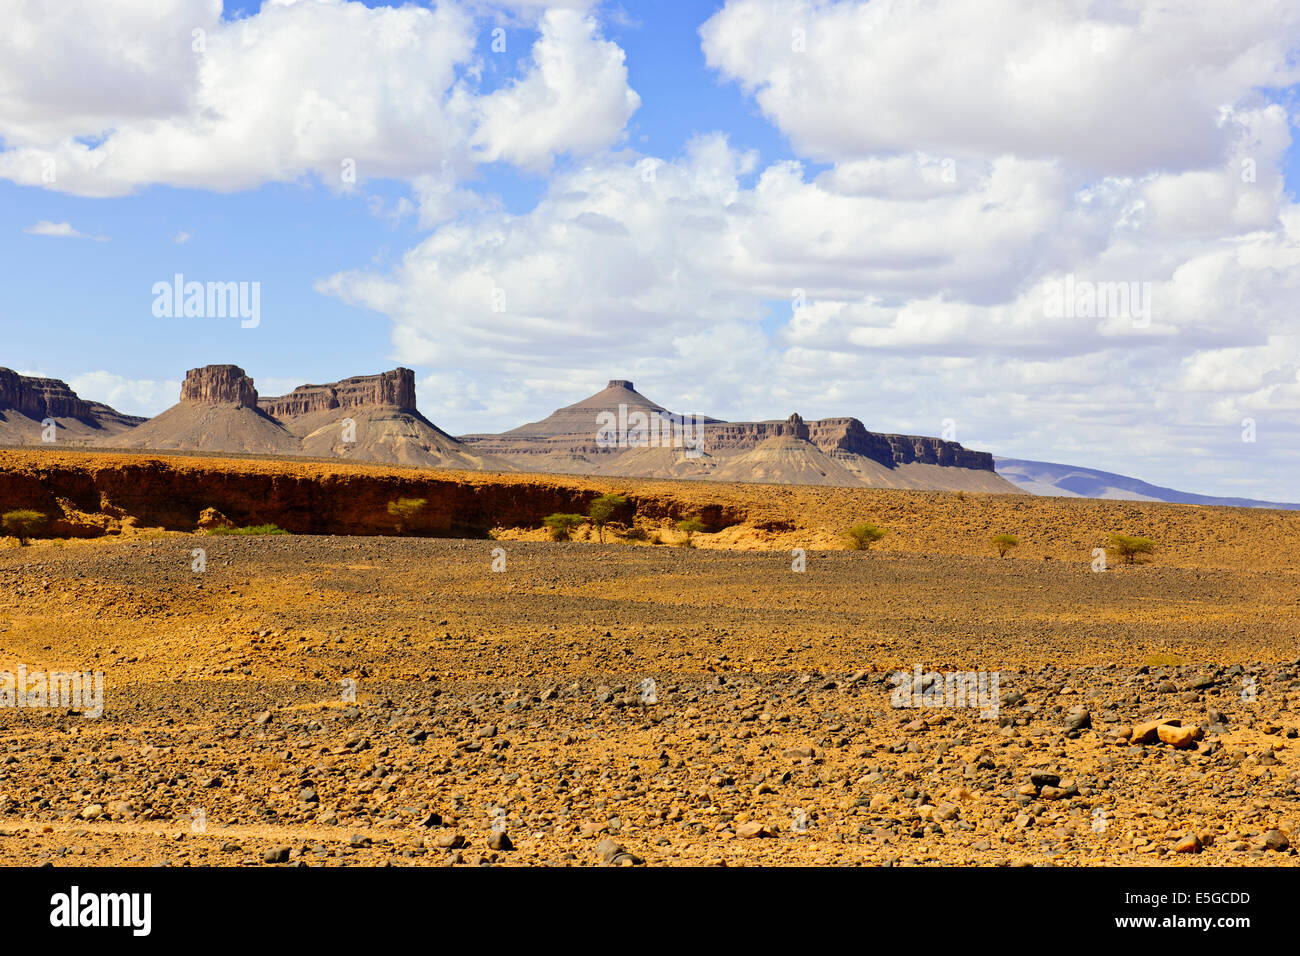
(1116, 88)
(895, 293)
(575, 97)
(327, 88)
(965, 175)
(132, 396)
(80, 69)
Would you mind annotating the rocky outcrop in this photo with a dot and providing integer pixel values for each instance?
(183, 493)
(745, 436)
(111, 418)
(565, 440)
(41, 397)
(936, 451)
(849, 435)
(219, 385)
(27, 403)
(395, 388)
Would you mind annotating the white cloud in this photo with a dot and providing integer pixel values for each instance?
(922, 300)
(971, 167)
(131, 396)
(327, 88)
(1115, 88)
(575, 97)
(59, 230)
(80, 69)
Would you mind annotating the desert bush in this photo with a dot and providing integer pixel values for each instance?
(23, 523)
(602, 509)
(405, 511)
(862, 536)
(1004, 543)
(251, 529)
(1162, 659)
(561, 525)
(689, 527)
(1129, 547)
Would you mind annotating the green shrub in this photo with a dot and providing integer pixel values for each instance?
(862, 536)
(689, 527)
(23, 523)
(1129, 547)
(562, 525)
(602, 509)
(248, 529)
(1004, 543)
(1162, 659)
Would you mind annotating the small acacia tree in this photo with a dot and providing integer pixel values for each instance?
(602, 509)
(862, 536)
(1004, 543)
(562, 525)
(1129, 547)
(690, 527)
(405, 510)
(23, 523)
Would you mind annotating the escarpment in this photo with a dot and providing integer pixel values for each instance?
(618, 431)
(29, 403)
(615, 431)
(395, 388)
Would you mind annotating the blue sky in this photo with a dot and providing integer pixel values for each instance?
(778, 170)
(289, 235)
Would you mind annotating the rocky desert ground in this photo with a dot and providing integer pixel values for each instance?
(373, 700)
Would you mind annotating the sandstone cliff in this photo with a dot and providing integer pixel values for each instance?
(395, 388)
(92, 494)
(219, 385)
(40, 397)
(27, 401)
(363, 418)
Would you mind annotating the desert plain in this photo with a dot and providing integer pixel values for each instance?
(470, 693)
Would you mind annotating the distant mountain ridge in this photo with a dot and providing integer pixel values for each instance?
(374, 418)
(363, 418)
(838, 452)
(1074, 481)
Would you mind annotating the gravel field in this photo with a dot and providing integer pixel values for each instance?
(344, 701)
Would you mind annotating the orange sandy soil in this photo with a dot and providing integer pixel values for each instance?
(511, 698)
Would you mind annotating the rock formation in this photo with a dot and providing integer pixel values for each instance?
(40, 397)
(219, 385)
(364, 418)
(26, 402)
(616, 431)
(395, 388)
(833, 451)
